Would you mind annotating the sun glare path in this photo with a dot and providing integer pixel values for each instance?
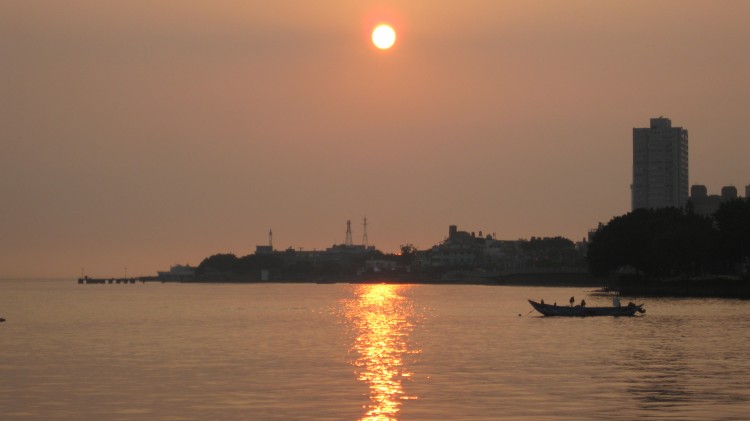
(383, 319)
(383, 36)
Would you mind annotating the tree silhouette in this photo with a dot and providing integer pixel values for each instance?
(656, 243)
(218, 263)
(733, 222)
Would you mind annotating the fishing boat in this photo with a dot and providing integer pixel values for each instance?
(583, 311)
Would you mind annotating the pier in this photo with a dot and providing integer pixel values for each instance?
(87, 280)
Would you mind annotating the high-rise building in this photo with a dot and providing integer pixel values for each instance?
(660, 165)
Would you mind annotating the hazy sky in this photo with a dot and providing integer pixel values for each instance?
(139, 134)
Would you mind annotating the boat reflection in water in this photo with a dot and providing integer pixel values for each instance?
(382, 318)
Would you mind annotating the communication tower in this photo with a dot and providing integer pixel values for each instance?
(270, 239)
(348, 242)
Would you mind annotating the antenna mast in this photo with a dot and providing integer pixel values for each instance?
(348, 242)
(270, 239)
(364, 233)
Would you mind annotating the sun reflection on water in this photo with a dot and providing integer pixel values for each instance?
(383, 319)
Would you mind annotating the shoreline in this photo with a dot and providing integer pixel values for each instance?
(540, 279)
(718, 287)
(715, 287)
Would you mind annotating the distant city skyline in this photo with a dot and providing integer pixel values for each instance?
(143, 134)
(707, 204)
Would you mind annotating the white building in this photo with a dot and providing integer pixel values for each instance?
(660, 165)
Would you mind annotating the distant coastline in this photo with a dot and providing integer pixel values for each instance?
(714, 287)
(540, 278)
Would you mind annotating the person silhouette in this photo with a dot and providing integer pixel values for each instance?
(572, 301)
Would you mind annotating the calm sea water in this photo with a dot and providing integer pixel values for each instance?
(361, 352)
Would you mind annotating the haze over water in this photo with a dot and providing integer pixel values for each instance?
(361, 352)
(140, 134)
(143, 133)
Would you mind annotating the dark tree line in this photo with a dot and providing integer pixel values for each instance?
(552, 252)
(733, 224)
(672, 242)
(229, 263)
(287, 264)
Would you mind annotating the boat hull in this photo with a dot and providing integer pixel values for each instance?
(580, 311)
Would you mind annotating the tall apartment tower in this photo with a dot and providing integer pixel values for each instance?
(660, 166)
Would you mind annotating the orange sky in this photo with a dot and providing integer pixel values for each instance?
(141, 134)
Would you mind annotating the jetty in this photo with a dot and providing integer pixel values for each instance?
(87, 280)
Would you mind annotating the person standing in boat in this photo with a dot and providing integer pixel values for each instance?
(572, 301)
(583, 303)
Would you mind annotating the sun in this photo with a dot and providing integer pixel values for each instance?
(383, 36)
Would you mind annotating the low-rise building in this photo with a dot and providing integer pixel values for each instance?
(177, 273)
(467, 251)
